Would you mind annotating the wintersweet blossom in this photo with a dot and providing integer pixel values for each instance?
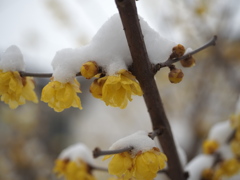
(73, 170)
(75, 163)
(210, 146)
(15, 90)
(142, 163)
(60, 96)
(116, 90)
(227, 168)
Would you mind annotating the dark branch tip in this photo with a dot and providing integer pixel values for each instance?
(96, 152)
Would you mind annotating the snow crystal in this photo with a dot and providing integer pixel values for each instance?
(188, 50)
(12, 59)
(140, 141)
(76, 152)
(220, 132)
(110, 50)
(197, 165)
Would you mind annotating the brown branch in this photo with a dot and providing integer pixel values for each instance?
(98, 152)
(143, 71)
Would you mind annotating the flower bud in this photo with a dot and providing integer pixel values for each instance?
(89, 69)
(175, 75)
(188, 62)
(177, 51)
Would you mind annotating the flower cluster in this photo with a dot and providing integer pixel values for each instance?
(75, 163)
(223, 142)
(106, 58)
(142, 162)
(14, 89)
(142, 166)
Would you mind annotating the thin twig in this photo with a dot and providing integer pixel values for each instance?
(169, 62)
(98, 152)
(98, 168)
(39, 75)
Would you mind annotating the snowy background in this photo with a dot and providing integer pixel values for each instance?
(33, 135)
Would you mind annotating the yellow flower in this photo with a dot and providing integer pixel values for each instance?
(235, 120)
(207, 174)
(142, 166)
(60, 96)
(116, 90)
(235, 146)
(72, 170)
(227, 168)
(210, 146)
(89, 69)
(15, 90)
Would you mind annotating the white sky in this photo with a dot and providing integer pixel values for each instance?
(32, 26)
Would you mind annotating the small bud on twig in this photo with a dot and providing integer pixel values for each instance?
(188, 62)
(175, 75)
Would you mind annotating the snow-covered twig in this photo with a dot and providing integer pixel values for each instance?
(155, 67)
(169, 62)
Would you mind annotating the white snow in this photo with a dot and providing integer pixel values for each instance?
(188, 50)
(140, 141)
(76, 152)
(197, 165)
(12, 59)
(220, 132)
(110, 50)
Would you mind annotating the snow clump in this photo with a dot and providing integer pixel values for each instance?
(12, 59)
(109, 49)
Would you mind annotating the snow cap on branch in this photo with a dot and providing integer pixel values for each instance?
(12, 59)
(140, 141)
(220, 132)
(196, 166)
(76, 152)
(109, 49)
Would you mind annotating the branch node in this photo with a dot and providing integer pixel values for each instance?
(156, 132)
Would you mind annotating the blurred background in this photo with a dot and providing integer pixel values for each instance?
(33, 135)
